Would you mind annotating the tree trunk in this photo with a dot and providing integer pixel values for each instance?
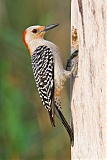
(89, 94)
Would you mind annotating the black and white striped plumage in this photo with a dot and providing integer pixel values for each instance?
(43, 69)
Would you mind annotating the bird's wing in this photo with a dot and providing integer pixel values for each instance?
(43, 69)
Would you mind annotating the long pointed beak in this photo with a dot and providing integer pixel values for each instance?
(49, 27)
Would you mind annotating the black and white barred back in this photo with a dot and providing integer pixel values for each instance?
(43, 69)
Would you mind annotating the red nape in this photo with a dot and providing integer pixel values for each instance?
(24, 34)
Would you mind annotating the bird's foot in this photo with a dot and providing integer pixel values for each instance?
(72, 56)
(72, 63)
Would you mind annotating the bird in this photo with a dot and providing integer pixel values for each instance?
(49, 74)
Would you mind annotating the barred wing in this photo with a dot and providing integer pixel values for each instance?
(43, 69)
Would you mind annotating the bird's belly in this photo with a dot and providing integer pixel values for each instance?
(59, 78)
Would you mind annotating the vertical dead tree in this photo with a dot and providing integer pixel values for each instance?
(89, 94)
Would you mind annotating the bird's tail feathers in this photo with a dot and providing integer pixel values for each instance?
(51, 116)
(59, 114)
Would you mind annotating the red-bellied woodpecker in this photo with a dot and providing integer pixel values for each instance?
(48, 71)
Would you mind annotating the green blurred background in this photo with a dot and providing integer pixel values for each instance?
(25, 130)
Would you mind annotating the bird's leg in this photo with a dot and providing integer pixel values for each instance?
(69, 61)
(72, 62)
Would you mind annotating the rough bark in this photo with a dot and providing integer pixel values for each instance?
(89, 94)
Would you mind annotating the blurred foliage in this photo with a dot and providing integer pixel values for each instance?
(25, 130)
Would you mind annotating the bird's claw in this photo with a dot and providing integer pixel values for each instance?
(69, 61)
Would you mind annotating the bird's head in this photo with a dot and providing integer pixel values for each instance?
(36, 32)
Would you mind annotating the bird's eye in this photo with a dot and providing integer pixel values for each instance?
(34, 30)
